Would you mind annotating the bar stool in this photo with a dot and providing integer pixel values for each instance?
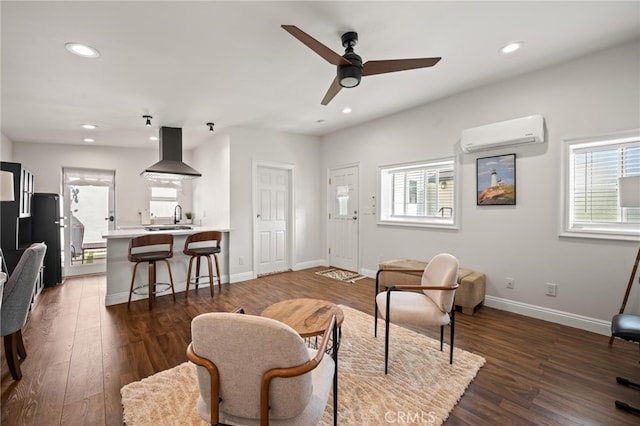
(161, 249)
(198, 245)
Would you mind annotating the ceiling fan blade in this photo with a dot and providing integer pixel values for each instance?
(313, 44)
(332, 92)
(393, 65)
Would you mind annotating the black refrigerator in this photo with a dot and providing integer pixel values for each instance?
(46, 228)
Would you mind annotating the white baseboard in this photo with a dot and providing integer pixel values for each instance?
(244, 276)
(310, 264)
(552, 315)
(369, 272)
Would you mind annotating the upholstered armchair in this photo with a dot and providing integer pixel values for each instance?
(258, 371)
(428, 304)
(16, 299)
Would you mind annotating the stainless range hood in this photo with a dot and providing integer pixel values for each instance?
(170, 165)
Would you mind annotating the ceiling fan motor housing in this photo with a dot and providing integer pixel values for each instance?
(350, 75)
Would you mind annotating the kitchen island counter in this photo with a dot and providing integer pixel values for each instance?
(119, 269)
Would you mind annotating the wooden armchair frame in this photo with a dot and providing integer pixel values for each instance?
(415, 288)
(266, 377)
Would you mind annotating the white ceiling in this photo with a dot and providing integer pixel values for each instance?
(187, 63)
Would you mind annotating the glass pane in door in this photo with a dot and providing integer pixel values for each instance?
(89, 200)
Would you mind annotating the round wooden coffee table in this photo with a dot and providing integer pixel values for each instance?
(309, 317)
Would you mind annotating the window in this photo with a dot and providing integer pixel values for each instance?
(418, 194)
(592, 168)
(164, 199)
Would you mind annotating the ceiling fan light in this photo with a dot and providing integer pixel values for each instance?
(349, 75)
(349, 82)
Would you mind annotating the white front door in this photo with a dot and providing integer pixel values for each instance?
(343, 218)
(272, 191)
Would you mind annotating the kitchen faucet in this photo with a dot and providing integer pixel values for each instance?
(177, 218)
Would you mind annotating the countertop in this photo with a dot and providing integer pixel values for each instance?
(136, 232)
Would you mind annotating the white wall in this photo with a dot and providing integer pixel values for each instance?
(212, 192)
(6, 148)
(46, 161)
(304, 153)
(589, 96)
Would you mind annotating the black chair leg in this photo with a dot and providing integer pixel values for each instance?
(14, 346)
(453, 328)
(623, 405)
(441, 336)
(386, 344)
(375, 321)
(628, 383)
(626, 407)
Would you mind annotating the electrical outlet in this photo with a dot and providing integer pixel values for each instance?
(511, 282)
(241, 260)
(552, 289)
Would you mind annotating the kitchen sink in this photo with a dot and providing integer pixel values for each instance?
(167, 227)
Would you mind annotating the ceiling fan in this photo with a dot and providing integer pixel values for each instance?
(350, 66)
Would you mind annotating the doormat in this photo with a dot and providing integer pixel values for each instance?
(341, 275)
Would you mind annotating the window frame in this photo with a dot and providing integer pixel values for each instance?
(385, 195)
(606, 231)
(163, 184)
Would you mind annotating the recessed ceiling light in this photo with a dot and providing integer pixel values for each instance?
(511, 47)
(89, 126)
(346, 110)
(82, 50)
(89, 140)
(153, 138)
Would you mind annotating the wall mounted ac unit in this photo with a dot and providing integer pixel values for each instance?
(503, 134)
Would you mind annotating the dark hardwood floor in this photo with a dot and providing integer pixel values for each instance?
(80, 353)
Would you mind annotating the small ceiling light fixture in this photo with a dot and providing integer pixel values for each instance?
(153, 138)
(88, 140)
(82, 50)
(148, 118)
(511, 47)
(346, 110)
(89, 126)
(210, 126)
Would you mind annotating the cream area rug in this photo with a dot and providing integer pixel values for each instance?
(341, 275)
(420, 389)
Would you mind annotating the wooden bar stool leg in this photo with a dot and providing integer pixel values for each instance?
(152, 282)
(197, 276)
(133, 279)
(215, 257)
(173, 291)
(211, 282)
(186, 293)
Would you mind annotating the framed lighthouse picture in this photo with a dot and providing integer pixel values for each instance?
(496, 180)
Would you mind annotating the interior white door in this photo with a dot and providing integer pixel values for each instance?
(272, 211)
(343, 218)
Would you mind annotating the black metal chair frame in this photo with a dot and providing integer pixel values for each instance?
(452, 321)
(626, 327)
